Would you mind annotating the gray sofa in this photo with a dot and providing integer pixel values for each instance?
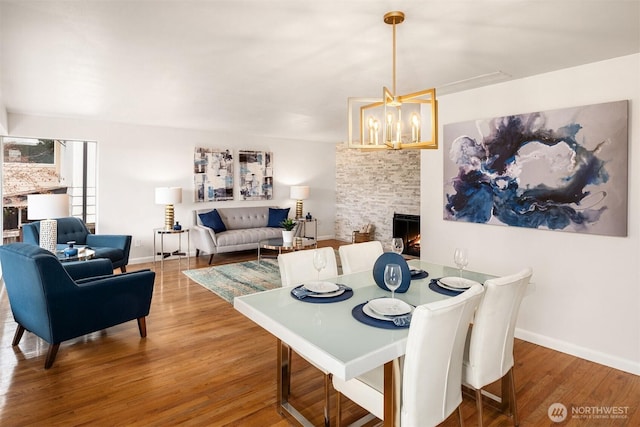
(245, 227)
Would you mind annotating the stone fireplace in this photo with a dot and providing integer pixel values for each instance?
(407, 227)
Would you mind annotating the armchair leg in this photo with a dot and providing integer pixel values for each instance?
(197, 252)
(51, 355)
(460, 418)
(123, 269)
(210, 259)
(142, 326)
(18, 335)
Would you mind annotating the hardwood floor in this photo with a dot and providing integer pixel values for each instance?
(203, 363)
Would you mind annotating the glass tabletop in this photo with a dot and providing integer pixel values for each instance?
(277, 243)
(328, 335)
(83, 255)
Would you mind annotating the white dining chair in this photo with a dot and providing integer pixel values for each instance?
(488, 354)
(431, 369)
(359, 256)
(295, 269)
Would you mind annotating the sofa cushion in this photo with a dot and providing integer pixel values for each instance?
(212, 220)
(276, 216)
(246, 236)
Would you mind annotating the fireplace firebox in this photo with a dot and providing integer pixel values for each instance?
(408, 228)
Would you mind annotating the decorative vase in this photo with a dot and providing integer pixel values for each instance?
(177, 226)
(70, 251)
(287, 236)
(392, 258)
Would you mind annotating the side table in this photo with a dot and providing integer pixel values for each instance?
(277, 244)
(309, 229)
(179, 252)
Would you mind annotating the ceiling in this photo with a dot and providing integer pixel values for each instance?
(283, 68)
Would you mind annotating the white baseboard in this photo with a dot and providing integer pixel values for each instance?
(141, 260)
(626, 365)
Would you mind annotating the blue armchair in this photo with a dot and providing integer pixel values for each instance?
(59, 303)
(112, 246)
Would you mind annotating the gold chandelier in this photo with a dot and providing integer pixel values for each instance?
(394, 121)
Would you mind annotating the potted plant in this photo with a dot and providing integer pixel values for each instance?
(287, 234)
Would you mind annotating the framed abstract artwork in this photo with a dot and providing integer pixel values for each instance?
(213, 175)
(256, 175)
(563, 170)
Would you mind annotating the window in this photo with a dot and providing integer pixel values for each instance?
(36, 166)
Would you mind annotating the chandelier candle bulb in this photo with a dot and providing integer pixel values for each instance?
(371, 130)
(376, 126)
(415, 128)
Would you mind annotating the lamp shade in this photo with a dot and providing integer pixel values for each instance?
(299, 192)
(47, 206)
(168, 195)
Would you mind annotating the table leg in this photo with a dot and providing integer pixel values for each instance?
(284, 371)
(284, 386)
(179, 251)
(162, 252)
(327, 400)
(390, 380)
(154, 249)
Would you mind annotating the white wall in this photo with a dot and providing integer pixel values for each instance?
(133, 160)
(585, 296)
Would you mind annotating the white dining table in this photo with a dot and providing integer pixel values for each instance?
(328, 336)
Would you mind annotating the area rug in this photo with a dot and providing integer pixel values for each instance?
(233, 280)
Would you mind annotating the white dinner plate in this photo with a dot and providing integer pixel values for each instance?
(449, 288)
(321, 287)
(366, 309)
(456, 283)
(389, 307)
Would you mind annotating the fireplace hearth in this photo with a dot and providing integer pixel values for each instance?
(408, 228)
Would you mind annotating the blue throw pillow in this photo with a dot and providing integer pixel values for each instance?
(276, 216)
(212, 220)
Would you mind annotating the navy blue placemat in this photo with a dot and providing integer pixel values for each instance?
(434, 287)
(320, 300)
(420, 274)
(359, 315)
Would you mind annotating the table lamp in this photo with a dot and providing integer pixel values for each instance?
(46, 207)
(299, 193)
(168, 196)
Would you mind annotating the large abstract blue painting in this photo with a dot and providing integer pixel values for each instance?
(560, 170)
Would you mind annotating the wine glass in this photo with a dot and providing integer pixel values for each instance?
(392, 278)
(397, 245)
(461, 258)
(319, 261)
